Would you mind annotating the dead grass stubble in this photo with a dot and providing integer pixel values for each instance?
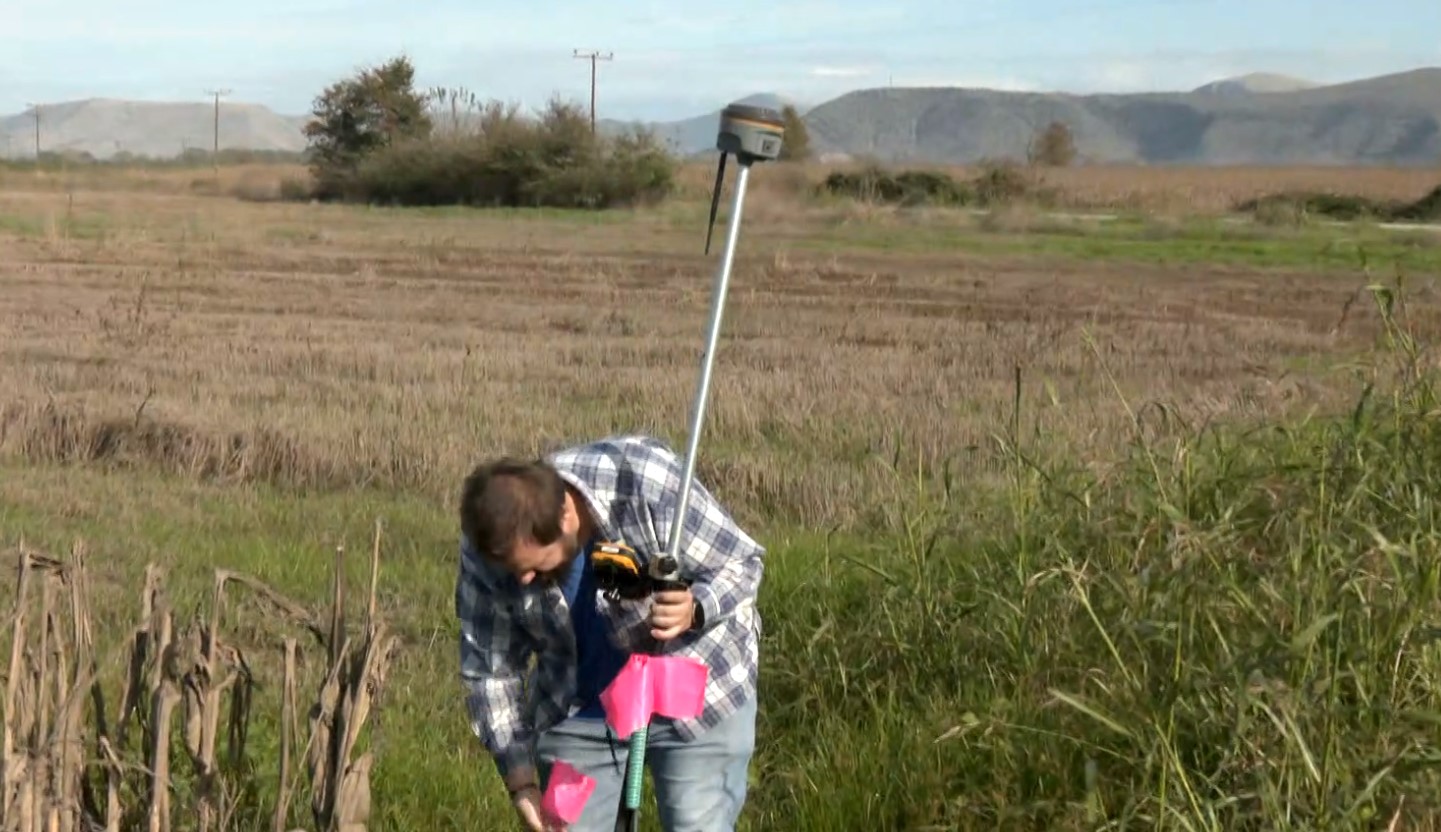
(351, 348)
(1180, 189)
(52, 782)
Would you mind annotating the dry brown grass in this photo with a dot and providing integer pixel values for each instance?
(1183, 190)
(1198, 190)
(258, 181)
(62, 747)
(1155, 190)
(327, 345)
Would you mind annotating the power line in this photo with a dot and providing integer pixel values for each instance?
(593, 56)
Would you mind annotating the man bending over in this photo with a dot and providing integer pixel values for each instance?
(526, 590)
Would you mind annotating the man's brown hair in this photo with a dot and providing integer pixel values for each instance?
(507, 500)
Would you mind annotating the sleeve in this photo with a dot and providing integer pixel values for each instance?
(494, 651)
(728, 562)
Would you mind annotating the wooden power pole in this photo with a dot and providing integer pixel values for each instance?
(36, 108)
(593, 56)
(215, 146)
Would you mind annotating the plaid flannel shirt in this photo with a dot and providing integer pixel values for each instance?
(632, 485)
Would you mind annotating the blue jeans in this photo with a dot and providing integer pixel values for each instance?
(700, 786)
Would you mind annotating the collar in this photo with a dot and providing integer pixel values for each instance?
(604, 529)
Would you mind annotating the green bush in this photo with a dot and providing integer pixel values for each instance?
(293, 189)
(1345, 207)
(553, 161)
(996, 184)
(1425, 209)
(910, 187)
(1332, 206)
(1000, 183)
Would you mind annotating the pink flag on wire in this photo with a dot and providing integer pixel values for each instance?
(671, 686)
(566, 793)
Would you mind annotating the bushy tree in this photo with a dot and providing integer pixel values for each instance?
(356, 116)
(1054, 146)
(797, 144)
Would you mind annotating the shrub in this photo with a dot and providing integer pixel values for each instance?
(553, 161)
(911, 187)
(294, 189)
(1425, 209)
(1333, 206)
(1344, 207)
(375, 138)
(629, 169)
(998, 183)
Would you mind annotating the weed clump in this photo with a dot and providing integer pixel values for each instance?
(996, 184)
(1425, 209)
(1001, 184)
(910, 187)
(1293, 207)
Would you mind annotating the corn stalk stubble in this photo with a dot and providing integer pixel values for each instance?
(49, 779)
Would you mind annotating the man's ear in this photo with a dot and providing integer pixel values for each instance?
(569, 512)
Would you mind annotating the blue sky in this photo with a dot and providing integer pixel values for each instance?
(678, 59)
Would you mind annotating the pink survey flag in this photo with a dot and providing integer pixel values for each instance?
(670, 686)
(566, 793)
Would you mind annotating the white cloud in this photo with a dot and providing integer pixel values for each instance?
(842, 71)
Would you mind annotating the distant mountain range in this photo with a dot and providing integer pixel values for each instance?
(1391, 119)
(1252, 119)
(105, 127)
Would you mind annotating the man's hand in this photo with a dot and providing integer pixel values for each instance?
(527, 805)
(525, 797)
(671, 613)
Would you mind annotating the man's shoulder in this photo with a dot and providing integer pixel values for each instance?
(613, 453)
(621, 467)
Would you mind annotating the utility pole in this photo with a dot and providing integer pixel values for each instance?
(215, 151)
(36, 108)
(593, 56)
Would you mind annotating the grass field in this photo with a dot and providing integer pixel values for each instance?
(1170, 191)
(1070, 526)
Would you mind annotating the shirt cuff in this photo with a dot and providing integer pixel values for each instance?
(705, 598)
(513, 757)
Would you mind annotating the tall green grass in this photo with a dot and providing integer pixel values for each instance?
(1233, 631)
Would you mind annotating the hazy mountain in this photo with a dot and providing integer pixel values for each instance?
(104, 127)
(1391, 119)
(1260, 118)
